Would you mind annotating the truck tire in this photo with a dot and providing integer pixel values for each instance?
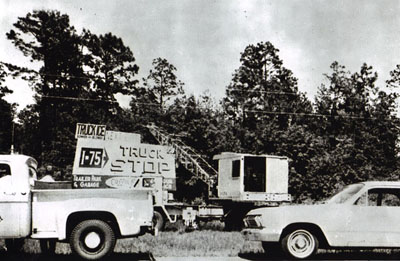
(271, 249)
(300, 244)
(92, 239)
(234, 214)
(233, 222)
(48, 246)
(14, 245)
(158, 221)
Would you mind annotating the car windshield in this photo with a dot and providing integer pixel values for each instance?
(345, 194)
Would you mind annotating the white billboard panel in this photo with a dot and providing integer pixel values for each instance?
(120, 157)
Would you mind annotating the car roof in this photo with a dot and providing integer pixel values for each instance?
(11, 157)
(17, 158)
(381, 183)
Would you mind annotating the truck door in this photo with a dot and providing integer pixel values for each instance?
(13, 205)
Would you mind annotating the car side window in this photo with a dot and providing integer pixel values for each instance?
(380, 197)
(373, 198)
(391, 200)
(362, 200)
(5, 176)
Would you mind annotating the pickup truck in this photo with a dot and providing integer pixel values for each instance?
(91, 220)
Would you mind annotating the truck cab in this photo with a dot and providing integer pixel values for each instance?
(17, 174)
(247, 177)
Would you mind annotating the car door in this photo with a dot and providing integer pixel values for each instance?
(11, 205)
(374, 219)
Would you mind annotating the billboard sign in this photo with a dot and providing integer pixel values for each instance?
(90, 131)
(120, 182)
(122, 157)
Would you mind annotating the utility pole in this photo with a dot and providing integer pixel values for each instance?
(12, 137)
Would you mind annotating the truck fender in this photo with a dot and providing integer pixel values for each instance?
(77, 217)
(67, 221)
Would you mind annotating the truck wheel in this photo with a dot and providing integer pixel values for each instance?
(14, 245)
(48, 246)
(233, 222)
(92, 239)
(158, 221)
(271, 248)
(300, 244)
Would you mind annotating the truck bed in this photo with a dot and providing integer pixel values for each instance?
(52, 209)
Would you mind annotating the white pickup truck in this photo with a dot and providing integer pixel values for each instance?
(90, 220)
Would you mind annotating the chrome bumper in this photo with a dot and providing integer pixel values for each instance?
(253, 234)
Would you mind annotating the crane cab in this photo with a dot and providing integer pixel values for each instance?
(246, 177)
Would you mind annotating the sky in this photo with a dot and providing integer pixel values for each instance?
(203, 39)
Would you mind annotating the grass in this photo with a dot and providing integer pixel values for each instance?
(195, 243)
(172, 244)
(208, 241)
(202, 243)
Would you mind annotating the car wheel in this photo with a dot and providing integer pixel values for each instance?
(92, 239)
(300, 244)
(158, 221)
(48, 246)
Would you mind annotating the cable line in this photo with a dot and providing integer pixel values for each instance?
(77, 99)
(304, 114)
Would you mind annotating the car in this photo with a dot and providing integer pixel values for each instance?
(362, 215)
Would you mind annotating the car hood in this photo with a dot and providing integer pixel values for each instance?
(279, 217)
(312, 209)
